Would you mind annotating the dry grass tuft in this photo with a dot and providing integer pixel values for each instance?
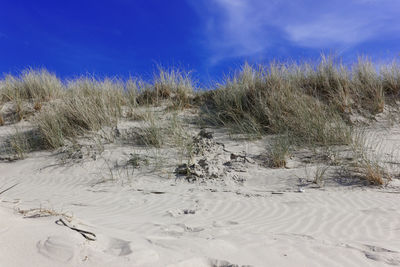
(391, 79)
(31, 85)
(368, 86)
(279, 152)
(43, 212)
(368, 163)
(267, 100)
(373, 173)
(37, 106)
(88, 105)
(151, 133)
(20, 143)
(169, 84)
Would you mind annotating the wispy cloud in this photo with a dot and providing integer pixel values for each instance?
(330, 30)
(236, 28)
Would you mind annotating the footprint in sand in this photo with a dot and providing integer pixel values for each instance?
(203, 262)
(180, 229)
(379, 254)
(57, 248)
(137, 254)
(118, 247)
(223, 263)
(224, 224)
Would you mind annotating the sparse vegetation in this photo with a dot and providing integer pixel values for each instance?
(304, 105)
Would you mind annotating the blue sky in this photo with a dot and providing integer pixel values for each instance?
(208, 37)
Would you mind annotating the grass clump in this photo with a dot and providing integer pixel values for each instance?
(279, 152)
(19, 144)
(151, 133)
(391, 79)
(373, 173)
(168, 84)
(329, 81)
(32, 84)
(132, 88)
(268, 100)
(320, 174)
(181, 139)
(22, 142)
(368, 86)
(87, 106)
(367, 165)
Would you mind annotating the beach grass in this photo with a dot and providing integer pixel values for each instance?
(305, 104)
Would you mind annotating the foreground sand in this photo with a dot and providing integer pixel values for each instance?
(149, 218)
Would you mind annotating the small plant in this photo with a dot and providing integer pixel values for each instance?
(373, 173)
(137, 160)
(367, 165)
(151, 134)
(181, 139)
(19, 144)
(19, 109)
(37, 106)
(279, 152)
(320, 174)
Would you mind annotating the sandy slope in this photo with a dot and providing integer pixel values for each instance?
(148, 220)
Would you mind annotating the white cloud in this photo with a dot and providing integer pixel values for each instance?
(235, 28)
(330, 30)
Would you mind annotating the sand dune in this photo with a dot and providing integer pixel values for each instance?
(147, 219)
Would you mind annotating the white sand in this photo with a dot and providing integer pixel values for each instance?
(152, 220)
